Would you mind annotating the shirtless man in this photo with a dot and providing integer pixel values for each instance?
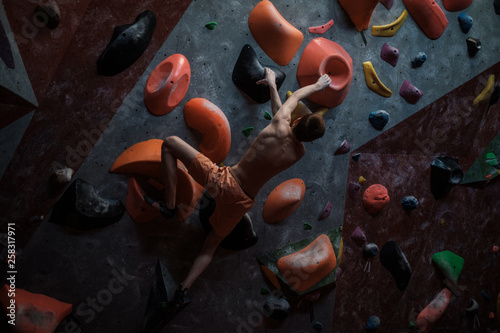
(234, 188)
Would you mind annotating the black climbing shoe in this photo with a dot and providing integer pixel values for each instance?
(164, 211)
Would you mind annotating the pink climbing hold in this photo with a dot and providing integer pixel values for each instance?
(390, 54)
(344, 148)
(375, 199)
(326, 211)
(353, 189)
(386, 3)
(321, 29)
(358, 236)
(410, 93)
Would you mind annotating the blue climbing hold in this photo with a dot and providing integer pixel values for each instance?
(379, 119)
(465, 22)
(419, 60)
(409, 203)
(370, 250)
(317, 325)
(373, 323)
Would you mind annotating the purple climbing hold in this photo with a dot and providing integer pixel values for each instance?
(344, 148)
(390, 54)
(387, 3)
(358, 236)
(410, 93)
(353, 189)
(326, 211)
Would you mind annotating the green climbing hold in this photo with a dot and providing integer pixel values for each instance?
(211, 25)
(264, 291)
(491, 159)
(412, 325)
(268, 116)
(449, 263)
(247, 131)
(307, 226)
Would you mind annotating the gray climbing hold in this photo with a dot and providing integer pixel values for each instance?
(48, 14)
(409, 203)
(473, 308)
(373, 323)
(473, 46)
(379, 119)
(445, 174)
(419, 60)
(465, 22)
(276, 308)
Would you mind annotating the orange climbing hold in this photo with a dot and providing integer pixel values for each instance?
(167, 85)
(323, 56)
(432, 312)
(305, 268)
(34, 313)
(375, 199)
(359, 11)
(275, 35)
(428, 16)
(143, 158)
(456, 5)
(205, 117)
(284, 200)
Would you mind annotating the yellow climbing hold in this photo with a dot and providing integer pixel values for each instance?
(373, 82)
(390, 29)
(341, 249)
(361, 180)
(322, 111)
(300, 110)
(443, 223)
(485, 95)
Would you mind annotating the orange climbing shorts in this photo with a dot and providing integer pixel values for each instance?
(231, 201)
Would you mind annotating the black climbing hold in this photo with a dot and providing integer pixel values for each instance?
(370, 250)
(127, 44)
(356, 157)
(276, 308)
(445, 173)
(5, 50)
(242, 237)
(248, 70)
(211, 25)
(409, 203)
(496, 5)
(465, 22)
(379, 119)
(317, 325)
(394, 260)
(48, 14)
(82, 208)
(419, 60)
(372, 324)
(473, 46)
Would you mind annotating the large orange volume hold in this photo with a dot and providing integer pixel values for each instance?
(275, 35)
(432, 312)
(323, 56)
(167, 85)
(284, 200)
(428, 16)
(359, 11)
(205, 117)
(305, 268)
